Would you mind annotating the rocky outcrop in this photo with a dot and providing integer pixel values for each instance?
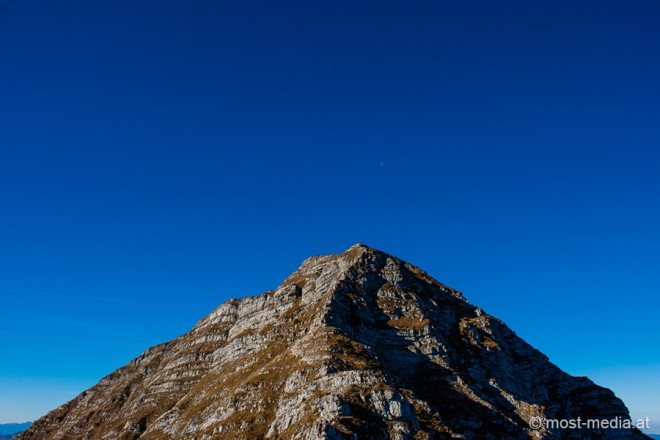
(359, 345)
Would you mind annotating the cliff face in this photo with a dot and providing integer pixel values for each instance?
(355, 345)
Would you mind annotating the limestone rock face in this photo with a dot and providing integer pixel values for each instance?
(359, 345)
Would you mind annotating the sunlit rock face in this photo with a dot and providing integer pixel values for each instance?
(358, 345)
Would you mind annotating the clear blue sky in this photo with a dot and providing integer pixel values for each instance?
(159, 157)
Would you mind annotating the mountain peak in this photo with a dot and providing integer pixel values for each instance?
(358, 246)
(353, 345)
(349, 254)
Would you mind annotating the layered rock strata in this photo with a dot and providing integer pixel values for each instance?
(358, 345)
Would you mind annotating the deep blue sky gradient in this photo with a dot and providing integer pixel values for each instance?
(160, 157)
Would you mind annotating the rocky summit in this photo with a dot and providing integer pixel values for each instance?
(358, 345)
